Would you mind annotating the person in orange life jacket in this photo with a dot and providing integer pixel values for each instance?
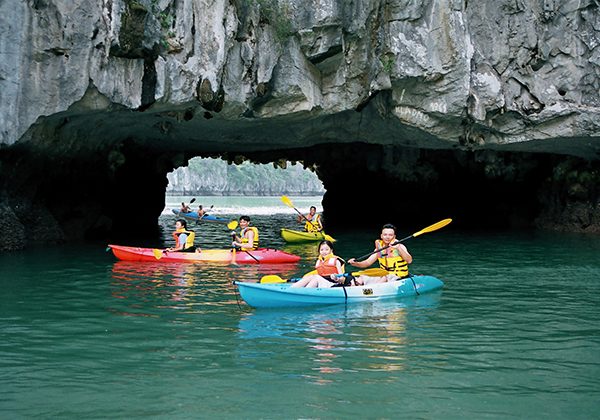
(248, 238)
(329, 267)
(312, 221)
(184, 239)
(394, 259)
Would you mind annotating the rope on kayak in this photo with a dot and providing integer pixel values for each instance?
(237, 296)
(414, 285)
(345, 295)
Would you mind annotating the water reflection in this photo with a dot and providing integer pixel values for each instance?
(142, 288)
(332, 340)
(152, 285)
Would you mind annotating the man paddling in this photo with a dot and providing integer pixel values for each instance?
(393, 258)
(248, 238)
(312, 219)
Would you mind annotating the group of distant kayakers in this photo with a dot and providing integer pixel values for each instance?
(393, 256)
(187, 209)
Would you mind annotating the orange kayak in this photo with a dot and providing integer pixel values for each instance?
(261, 255)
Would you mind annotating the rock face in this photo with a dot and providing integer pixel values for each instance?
(402, 96)
(216, 177)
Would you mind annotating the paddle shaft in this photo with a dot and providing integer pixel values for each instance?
(249, 253)
(304, 217)
(431, 228)
(385, 247)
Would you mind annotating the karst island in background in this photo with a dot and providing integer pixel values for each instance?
(216, 177)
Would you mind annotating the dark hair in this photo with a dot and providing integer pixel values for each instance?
(328, 243)
(313, 207)
(183, 223)
(246, 218)
(389, 226)
(200, 206)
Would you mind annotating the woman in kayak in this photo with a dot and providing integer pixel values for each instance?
(248, 238)
(393, 257)
(184, 239)
(312, 219)
(330, 269)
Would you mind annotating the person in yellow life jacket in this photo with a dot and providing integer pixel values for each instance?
(248, 237)
(330, 269)
(313, 220)
(394, 258)
(184, 238)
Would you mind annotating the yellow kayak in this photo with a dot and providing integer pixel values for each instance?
(290, 235)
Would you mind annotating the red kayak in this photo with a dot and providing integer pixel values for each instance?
(261, 255)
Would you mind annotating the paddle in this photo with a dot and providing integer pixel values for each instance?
(428, 229)
(191, 202)
(209, 209)
(272, 278)
(231, 226)
(374, 272)
(289, 203)
(158, 254)
(203, 215)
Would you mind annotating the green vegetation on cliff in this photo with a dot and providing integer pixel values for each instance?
(216, 177)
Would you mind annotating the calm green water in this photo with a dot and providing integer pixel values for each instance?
(514, 333)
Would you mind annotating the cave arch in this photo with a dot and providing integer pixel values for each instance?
(86, 175)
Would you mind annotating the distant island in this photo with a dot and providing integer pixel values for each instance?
(205, 176)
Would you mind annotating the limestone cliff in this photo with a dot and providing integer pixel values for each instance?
(442, 97)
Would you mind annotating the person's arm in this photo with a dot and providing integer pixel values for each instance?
(404, 253)
(339, 278)
(250, 236)
(234, 239)
(363, 264)
(181, 239)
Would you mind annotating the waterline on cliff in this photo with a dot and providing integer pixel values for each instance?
(238, 205)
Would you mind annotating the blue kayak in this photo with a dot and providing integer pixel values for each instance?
(193, 215)
(277, 295)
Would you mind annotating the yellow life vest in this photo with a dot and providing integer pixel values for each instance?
(191, 236)
(245, 240)
(391, 260)
(314, 225)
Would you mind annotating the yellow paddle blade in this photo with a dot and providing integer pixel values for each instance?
(272, 278)
(433, 227)
(157, 253)
(310, 273)
(327, 237)
(373, 272)
(287, 201)
(232, 225)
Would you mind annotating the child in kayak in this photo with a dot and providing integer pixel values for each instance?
(329, 267)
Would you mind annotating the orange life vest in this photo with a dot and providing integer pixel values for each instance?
(327, 266)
